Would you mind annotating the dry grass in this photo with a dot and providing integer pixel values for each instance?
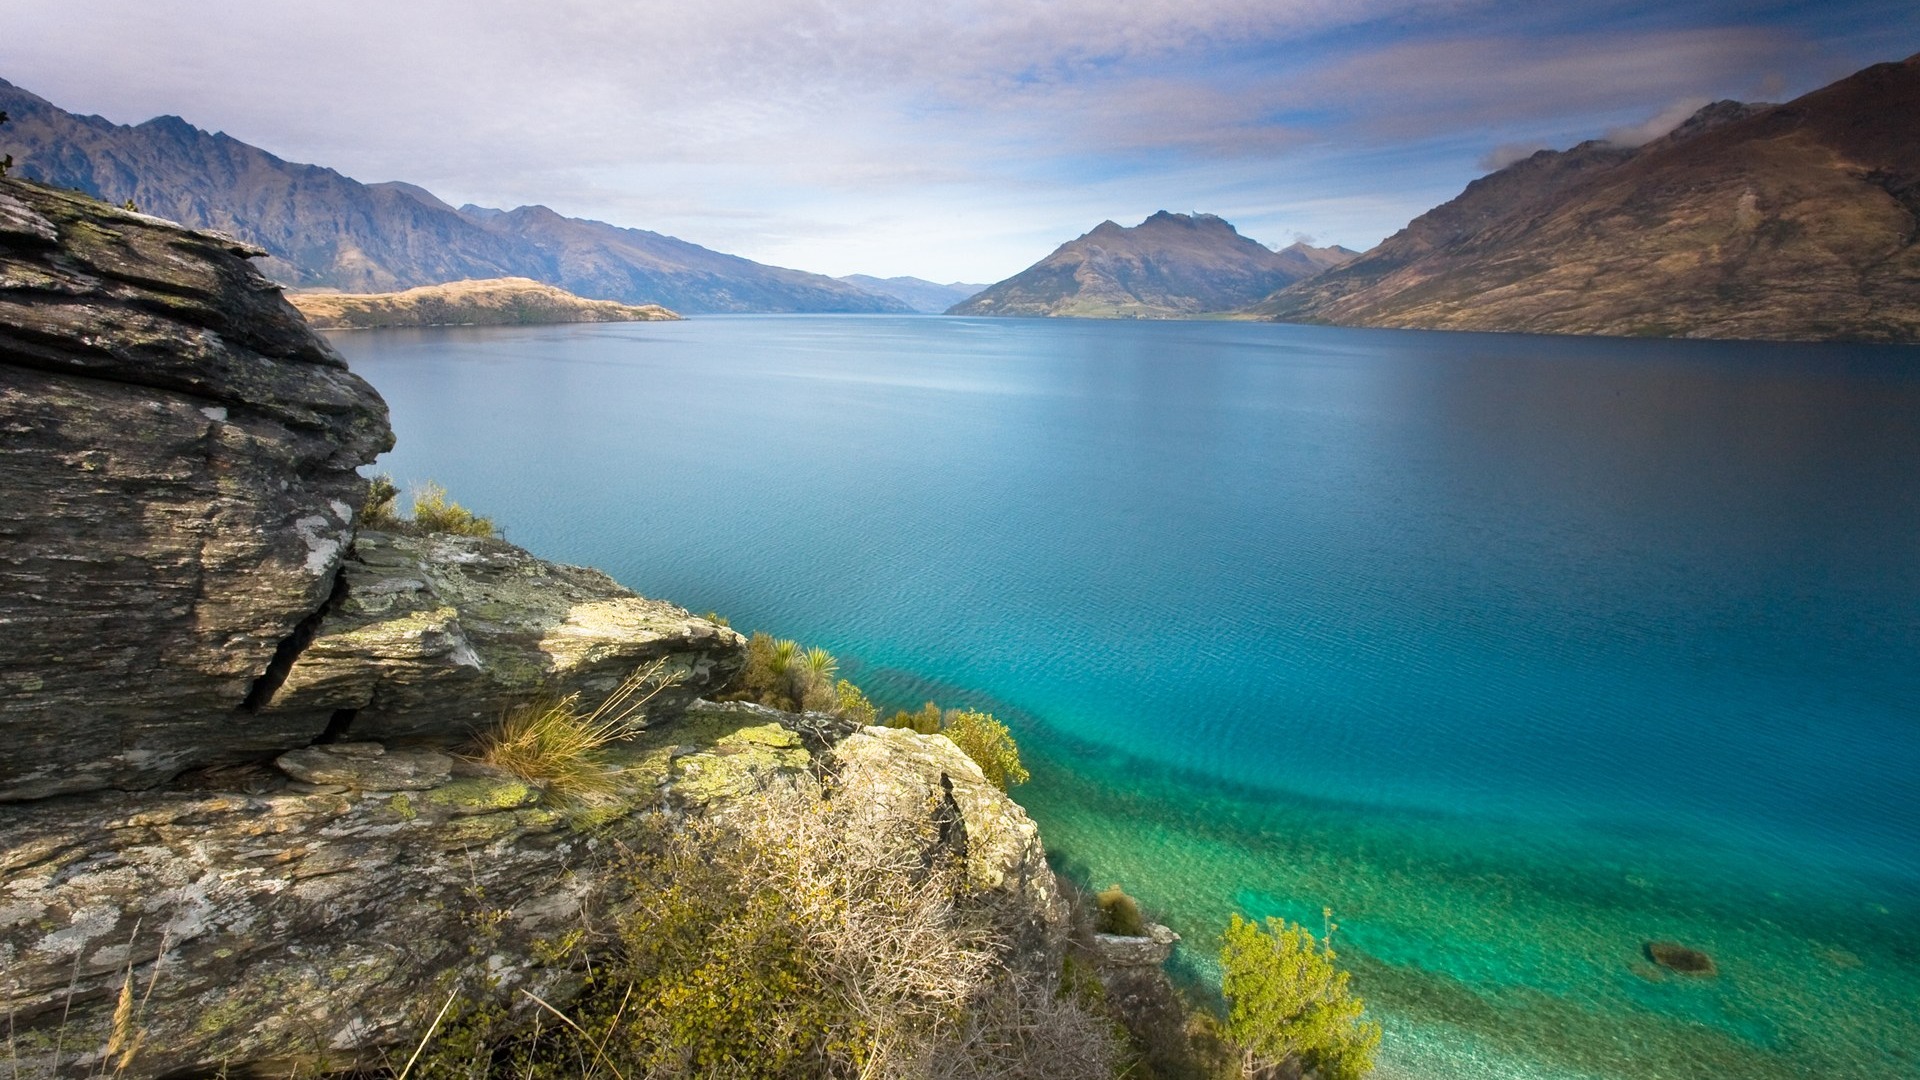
(555, 744)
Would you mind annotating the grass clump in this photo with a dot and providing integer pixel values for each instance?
(1288, 1003)
(555, 744)
(432, 511)
(1119, 913)
(978, 735)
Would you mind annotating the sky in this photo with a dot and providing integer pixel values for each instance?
(954, 140)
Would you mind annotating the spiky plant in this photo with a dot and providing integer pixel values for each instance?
(553, 743)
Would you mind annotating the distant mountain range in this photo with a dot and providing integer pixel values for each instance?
(327, 230)
(1168, 266)
(926, 297)
(1793, 222)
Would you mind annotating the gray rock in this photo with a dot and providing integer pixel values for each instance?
(1150, 949)
(177, 488)
(432, 637)
(367, 767)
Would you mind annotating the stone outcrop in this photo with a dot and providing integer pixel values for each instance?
(1149, 950)
(177, 490)
(237, 832)
(286, 924)
(430, 637)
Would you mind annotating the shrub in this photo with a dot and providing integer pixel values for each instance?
(802, 936)
(376, 510)
(1119, 913)
(552, 743)
(433, 513)
(779, 673)
(5, 162)
(988, 742)
(1287, 1001)
(981, 737)
(851, 703)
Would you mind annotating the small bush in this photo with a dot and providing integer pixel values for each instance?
(1287, 1001)
(433, 513)
(851, 703)
(779, 673)
(978, 735)
(376, 510)
(1119, 913)
(554, 744)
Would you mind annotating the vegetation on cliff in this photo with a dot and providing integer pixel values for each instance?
(507, 301)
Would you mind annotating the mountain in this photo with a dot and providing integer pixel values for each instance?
(1785, 222)
(327, 230)
(494, 302)
(1167, 266)
(921, 295)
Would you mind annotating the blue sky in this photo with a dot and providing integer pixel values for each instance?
(947, 139)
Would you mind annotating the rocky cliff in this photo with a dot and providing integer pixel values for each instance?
(1786, 222)
(238, 834)
(1168, 266)
(321, 229)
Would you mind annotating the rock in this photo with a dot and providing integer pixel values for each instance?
(367, 767)
(1147, 950)
(311, 929)
(1001, 843)
(432, 637)
(1680, 958)
(177, 489)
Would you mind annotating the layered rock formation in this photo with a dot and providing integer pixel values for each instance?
(493, 302)
(1786, 222)
(322, 229)
(1168, 266)
(237, 834)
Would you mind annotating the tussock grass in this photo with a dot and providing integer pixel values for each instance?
(554, 743)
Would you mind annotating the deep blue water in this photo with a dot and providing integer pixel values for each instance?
(1518, 651)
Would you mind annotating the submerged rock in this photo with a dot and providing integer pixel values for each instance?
(1676, 957)
(1150, 949)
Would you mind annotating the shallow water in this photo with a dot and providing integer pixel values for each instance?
(1516, 651)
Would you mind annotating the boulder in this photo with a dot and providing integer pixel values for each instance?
(177, 490)
(1150, 949)
(430, 637)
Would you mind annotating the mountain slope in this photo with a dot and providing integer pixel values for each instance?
(327, 230)
(1788, 222)
(926, 297)
(1167, 266)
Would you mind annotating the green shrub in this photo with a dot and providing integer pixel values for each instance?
(376, 510)
(981, 737)
(1119, 913)
(851, 703)
(988, 742)
(433, 513)
(1286, 1001)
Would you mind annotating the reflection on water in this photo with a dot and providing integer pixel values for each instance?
(1518, 650)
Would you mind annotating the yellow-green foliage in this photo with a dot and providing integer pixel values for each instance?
(781, 674)
(988, 742)
(1119, 913)
(553, 743)
(808, 937)
(927, 721)
(981, 737)
(1287, 1001)
(851, 703)
(433, 513)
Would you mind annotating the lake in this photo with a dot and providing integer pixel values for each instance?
(1518, 652)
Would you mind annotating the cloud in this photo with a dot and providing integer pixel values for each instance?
(1507, 153)
(1658, 124)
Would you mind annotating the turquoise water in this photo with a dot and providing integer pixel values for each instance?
(1516, 651)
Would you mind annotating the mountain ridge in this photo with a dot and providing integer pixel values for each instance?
(1795, 221)
(1168, 266)
(324, 229)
